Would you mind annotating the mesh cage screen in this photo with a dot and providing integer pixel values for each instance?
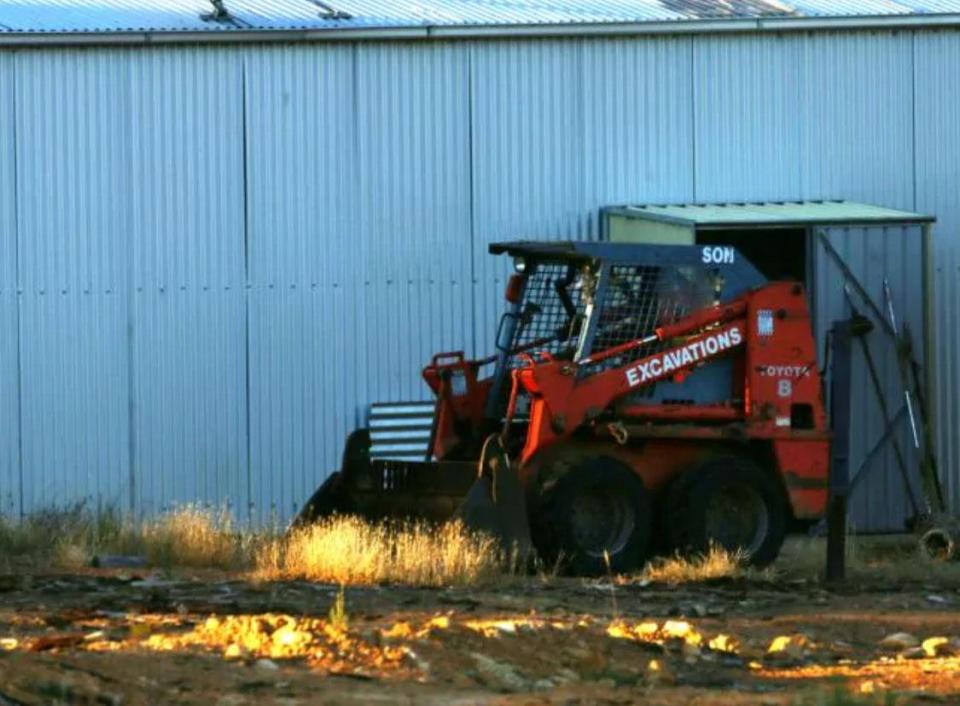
(552, 311)
(635, 301)
(640, 298)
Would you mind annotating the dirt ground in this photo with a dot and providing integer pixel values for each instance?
(146, 637)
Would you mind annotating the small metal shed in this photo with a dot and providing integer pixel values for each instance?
(790, 240)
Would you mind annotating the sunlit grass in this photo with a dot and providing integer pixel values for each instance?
(67, 539)
(348, 550)
(344, 550)
(716, 563)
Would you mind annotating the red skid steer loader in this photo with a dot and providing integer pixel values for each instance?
(642, 398)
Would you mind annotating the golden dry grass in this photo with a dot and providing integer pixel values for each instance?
(192, 536)
(892, 558)
(348, 550)
(188, 536)
(717, 563)
(344, 550)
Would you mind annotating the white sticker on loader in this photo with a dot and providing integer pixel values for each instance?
(765, 322)
(718, 255)
(679, 358)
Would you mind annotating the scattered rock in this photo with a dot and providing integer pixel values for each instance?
(503, 675)
(266, 664)
(938, 647)
(51, 642)
(566, 676)
(789, 646)
(114, 561)
(690, 651)
(899, 641)
(914, 653)
(939, 600)
(658, 672)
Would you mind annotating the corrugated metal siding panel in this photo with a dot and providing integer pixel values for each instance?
(132, 256)
(857, 126)
(638, 124)
(73, 125)
(353, 287)
(187, 263)
(873, 254)
(305, 373)
(748, 107)
(938, 191)
(9, 334)
(75, 400)
(73, 216)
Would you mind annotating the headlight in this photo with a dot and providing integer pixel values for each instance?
(519, 264)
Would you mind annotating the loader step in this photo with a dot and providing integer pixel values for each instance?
(400, 431)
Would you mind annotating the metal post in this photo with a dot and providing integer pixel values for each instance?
(839, 483)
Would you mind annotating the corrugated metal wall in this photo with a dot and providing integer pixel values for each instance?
(10, 486)
(226, 253)
(936, 108)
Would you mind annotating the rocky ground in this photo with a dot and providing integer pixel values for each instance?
(132, 637)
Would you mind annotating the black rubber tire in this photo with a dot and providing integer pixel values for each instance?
(748, 491)
(565, 526)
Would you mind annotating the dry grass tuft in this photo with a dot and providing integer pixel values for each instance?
(196, 537)
(344, 550)
(348, 550)
(64, 538)
(69, 538)
(892, 558)
(717, 563)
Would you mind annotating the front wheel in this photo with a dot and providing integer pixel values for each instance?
(596, 519)
(730, 503)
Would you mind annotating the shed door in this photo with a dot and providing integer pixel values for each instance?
(873, 253)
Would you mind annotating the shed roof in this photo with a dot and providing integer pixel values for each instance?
(788, 213)
(497, 16)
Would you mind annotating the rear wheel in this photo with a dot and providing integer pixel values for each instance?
(597, 511)
(731, 503)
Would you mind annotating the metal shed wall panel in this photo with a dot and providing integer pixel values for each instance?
(227, 253)
(938, 191)
(9, 338)
(73, 228)
(302, 205)
(748, 118)
(856, 123)
(187, 359)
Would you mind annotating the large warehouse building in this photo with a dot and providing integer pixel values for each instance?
(227, 228)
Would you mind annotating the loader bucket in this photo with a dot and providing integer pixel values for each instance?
(488, 498)
(496, 503)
